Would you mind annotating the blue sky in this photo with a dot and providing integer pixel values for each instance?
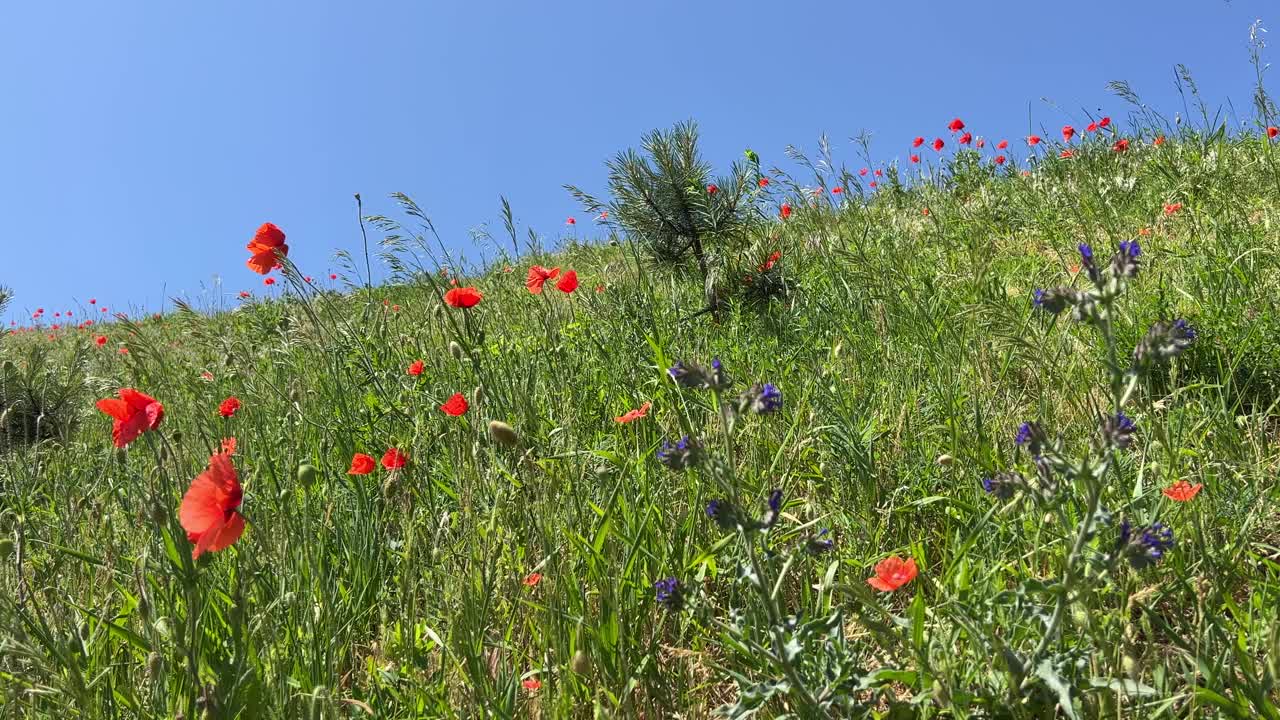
(143, 142)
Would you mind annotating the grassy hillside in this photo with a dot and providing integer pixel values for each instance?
(512, 574)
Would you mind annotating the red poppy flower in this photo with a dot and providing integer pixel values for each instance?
(455, 406)
(393, 459)
(1002, 144)
(863, 172)
(917, 142)
(1068, 132)
(568, 282)
(361, 464)
(269, 281)
(539, 275)
(1273, 131)
(712, 189)
(229, 407)
(1158, 141)
(1092, 127)
(1172, 208)
(837, 190)
(206, 375)
(1066, 154)
(924, 211)
(915, 158)
(763, 182)
(570, 221)
(464, 297)
(785, 211)
(774, 257)
(268, 241)
(602, 216)
(873, 184)
(100, 340)
(633, 415)
(210, 509)
(415, 369)
(134, 413)
(1104, 122)
(938, 144)
(1182, 491)
(1120, 146)
(879, 172)
(956, 125)
(892, 573)
(333, 276)
(1033, 140)
(532, 579)
(229, 446)
(1144, 232)
(1000, 159)
(532, 684)
(966, 138)
(244, 295)
(600, 288)
(93, 301)
(982, 142)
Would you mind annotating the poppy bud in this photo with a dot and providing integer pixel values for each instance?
(153, 664)
(158, 514)
(503, 434)
(306, 475)
(455, 350)
(581, 663)
(144, 607)
(389, 485)
(945, 459)
(478, 394)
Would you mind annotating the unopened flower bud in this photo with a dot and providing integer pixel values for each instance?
(503, 434)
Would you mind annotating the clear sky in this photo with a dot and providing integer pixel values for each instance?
(142, 142)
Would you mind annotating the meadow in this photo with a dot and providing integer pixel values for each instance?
(978, 436)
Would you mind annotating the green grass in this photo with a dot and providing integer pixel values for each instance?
(902, 338)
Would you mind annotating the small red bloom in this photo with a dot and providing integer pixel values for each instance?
(463, 297)
(244, 295)
(1068, 132)
(333, 276)
(1000, 159)
(570, 221)
(1002, 144)
(966, 138)
(785, 211)
(774, 257)
(100, 340)
(915, 158)
(600, 288)
(229, 407)
(532, 579)
(1092, 127)
(1120, 146)
(1158, 141)
(763, 182)
(712, 189)
(134, 413)
(837, 190)
(879, 172)
(361, 464)
(892, 573)
(1033, 140)
(266, 243)
(917, 142)
(532, 684)
(1144, 232)
(229, 446)
(938, 144)
(633, 415)
(956, 125)
(210, 509)
(93, 301)
(1273, 131)
(455, 406)
(206, 375)
(1182, 491)
(873, 184)
(393, 459)
(924, 211)
(568, 282)
(269, 281)
(982, 142)
(863, 172)
(1066, 154)
(1104, 122)
(415, 369)
(1172, 208)
(539, 275)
